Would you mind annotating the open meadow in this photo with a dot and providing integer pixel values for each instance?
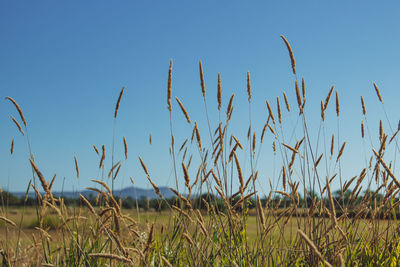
(219, 215)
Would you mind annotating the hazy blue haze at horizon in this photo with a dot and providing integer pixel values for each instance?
(65, 63)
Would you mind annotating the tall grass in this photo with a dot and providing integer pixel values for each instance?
(300, 221)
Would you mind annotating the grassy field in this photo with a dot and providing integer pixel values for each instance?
(353, 226)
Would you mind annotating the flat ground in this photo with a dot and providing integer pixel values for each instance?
(27, 219)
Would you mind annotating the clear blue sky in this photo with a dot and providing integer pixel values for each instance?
(66, 61)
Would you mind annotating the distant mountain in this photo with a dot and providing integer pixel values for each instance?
(133, 192)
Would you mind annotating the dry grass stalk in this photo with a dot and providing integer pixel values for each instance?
(116, 172)
(378, 93)
(341, 151)
(303, 88)
(12, 147)
(219, 92)
(118, 102)
(380, 130)
(42, 180)
(113, 168)
(125, 147)
(183, 145)
(292, 60)
(332, 144)
(4, 219)
(196, 129)
(203, 87)
(279, 109)
(254, 141)
(52, 181)
(272, 130)
(202, 227)
(362, 129)
(331, 202)
(96, 150)
(337, 104)
(188, 239)
(76, 167)
(186, 175)
(18, 109)
(115, 203)
(183, 109)
(313, 247)
(239, 171)
(103, 184)
(110, 256)
(150, 139)
(388, 170)
(283, 194)
(155, 187)
(261, 212)
(39, 196)
(264, 129)
(169, 89)
(298, 97)
(182, 212)
(149, 239)
(103, 156)
(322, 111)
(118, 242)
(248, 87)
(166, 262)
(100, 192)
(229, 108)
(237, 142)
(218, 181)
(286, 101)
(144, 166)
(284, 178)
(363, 106)
(242, 199)
(318, 160)
(17, 124)
(90, 207)
(270, 112)
(291, 148)
(328, 97)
